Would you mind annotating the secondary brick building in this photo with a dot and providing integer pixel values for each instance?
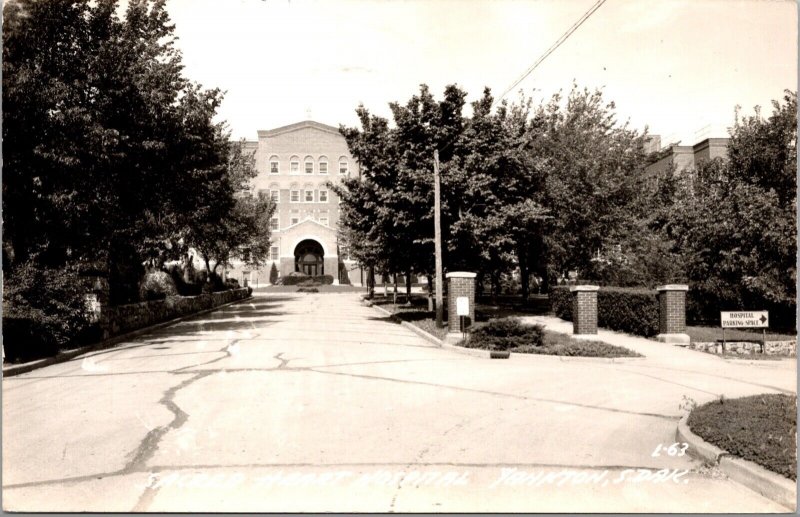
(685, 157)
(294, 164)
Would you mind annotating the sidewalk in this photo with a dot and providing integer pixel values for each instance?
(778, 375)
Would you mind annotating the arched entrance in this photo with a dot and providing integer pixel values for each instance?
(308, 258)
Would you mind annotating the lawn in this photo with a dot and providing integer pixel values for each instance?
(760, 428)
(710, 334)
(556, 343)
(553, 343)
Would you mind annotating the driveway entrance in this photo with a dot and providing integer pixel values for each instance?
(312, 402)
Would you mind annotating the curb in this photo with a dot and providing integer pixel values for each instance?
(755, 477)
(62, 357)
(475, 352)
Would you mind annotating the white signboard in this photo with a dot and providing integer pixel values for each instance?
(462, 306)
(744, 319)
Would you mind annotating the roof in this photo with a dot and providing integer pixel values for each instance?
(298, 126)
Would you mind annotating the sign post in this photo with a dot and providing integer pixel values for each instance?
(462, 310)
(745, 319)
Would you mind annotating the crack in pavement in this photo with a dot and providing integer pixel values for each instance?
(500, 394)
(706, 374)
(155, 469)
(670, 382)
(419, 457)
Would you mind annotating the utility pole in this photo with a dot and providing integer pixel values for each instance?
(437, 237)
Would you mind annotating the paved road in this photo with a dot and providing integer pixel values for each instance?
(313, 402)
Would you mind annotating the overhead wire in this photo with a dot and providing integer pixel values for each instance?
(544, 56)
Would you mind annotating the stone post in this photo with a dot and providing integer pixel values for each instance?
(459, 283)
(584, 310)
(672, 314)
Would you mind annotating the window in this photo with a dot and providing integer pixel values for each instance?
(294, 165)
(343, 167)
(275, 195)
(309, 196)
(323, 165)
(274, 165)
(294, 197)
(323, 196)
(273, 253)
(246, 255)
(262, 194)
(323, 220)
(309, 165)
(295, 218)
(274, 223)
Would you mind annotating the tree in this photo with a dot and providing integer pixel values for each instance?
(95, 150)
(108, 149)
(229, 222)
(736, 225)
(589, 169)
(273, 274)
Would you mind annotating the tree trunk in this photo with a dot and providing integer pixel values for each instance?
(371, 282)
(408, 287)
(430, 294)
(524, 273)
(495, 286)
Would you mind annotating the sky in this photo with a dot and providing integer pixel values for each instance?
(678, 67)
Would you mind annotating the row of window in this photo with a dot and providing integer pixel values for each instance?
(308, 165)
(275, 222)
(295, 196)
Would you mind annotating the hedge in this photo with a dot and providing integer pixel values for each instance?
(561, 301)
(635, 311)
(305, 280)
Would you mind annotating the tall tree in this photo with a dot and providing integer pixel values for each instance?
(590, 168)
(736, 226)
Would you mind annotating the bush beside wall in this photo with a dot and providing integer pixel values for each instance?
(634, 311)
(126, 318)
(561, 301)
(630, 310)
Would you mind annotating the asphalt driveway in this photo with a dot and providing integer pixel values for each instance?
(313, 402)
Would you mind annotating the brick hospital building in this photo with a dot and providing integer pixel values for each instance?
(294, 163)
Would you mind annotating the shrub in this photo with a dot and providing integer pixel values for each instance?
(505, 334)
(304, 280)
(561, 301)
(156, 285)
(635, 311)
(273, 274)
(214, 284)
(184, 288)
(308, 290)
(293, 278)
(44, 310)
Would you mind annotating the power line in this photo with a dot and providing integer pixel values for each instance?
(549, 51)
(555, 45)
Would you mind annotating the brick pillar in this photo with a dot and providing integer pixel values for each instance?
(584, 310)
(459, 283)
(672, 314)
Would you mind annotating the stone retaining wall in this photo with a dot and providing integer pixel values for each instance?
(785, 348)
(127, 318)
